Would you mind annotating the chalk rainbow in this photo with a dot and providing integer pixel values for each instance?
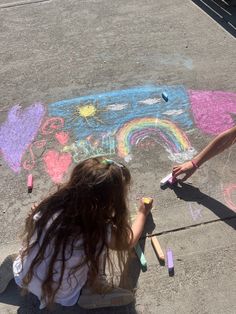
(165, 132)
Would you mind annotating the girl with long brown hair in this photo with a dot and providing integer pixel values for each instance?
(69, 233)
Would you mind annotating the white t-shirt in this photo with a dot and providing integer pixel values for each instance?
(70, 289)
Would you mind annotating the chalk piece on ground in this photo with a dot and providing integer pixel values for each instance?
(170, 262)
(30, 183)
(158, 249)
(147, 200)
(141, 256)
(164, 96)
(166, 179)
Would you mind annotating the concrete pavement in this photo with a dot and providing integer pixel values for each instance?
(54, 51)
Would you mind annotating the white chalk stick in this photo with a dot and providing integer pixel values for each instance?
(166, 179)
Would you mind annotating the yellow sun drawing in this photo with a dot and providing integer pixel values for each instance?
(87, 112)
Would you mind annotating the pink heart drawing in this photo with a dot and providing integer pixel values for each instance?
(213, 111)
(62, 137)
(18, 132)
(57, 164)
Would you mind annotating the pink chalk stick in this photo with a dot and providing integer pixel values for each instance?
(172, 180)
(30, 182)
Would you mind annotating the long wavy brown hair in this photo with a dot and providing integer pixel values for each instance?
(94, 196)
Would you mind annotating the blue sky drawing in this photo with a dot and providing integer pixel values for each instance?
(132, 100)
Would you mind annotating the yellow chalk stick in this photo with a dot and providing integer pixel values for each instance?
(157, 248)
(147, 200)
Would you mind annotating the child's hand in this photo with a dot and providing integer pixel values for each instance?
(33, 206)
(145, 205)
(138, 225)
(32, 209)
(187, 168)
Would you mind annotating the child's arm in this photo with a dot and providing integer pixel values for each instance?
(139, 222)
(137, 227)
(215, 147)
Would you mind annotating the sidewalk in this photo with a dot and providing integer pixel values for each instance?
(119, 56)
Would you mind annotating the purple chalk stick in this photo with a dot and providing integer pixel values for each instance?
(170, 261)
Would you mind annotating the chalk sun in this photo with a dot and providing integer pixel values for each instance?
(87, 112)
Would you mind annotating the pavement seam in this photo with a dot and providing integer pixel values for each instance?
(189, 227)
(21, 3)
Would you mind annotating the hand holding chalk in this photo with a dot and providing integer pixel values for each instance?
(168, 179)
(188, 168)
(145, 205)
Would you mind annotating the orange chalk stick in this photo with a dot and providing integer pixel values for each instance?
(157, 248)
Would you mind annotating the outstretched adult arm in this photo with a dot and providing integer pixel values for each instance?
(223, 141)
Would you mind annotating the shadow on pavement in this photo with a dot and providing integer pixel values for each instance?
(29, 304)
(223, 12)
(190, 193)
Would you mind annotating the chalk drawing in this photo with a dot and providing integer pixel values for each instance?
(150, 101)
(57, 164)
(62, 137)
(196, 212)
(213, 110)
(112, 123)
(170, 136)
(173, 112)
(228, 191)
(107, 112)
(18, 131)
(104, 146)
(117, 107)
(89, 112)
(29, 164)
(51, 125)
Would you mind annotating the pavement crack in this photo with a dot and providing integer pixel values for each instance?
(20, 3)
(191, 226)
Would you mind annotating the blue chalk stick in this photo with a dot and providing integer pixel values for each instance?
(164, 96)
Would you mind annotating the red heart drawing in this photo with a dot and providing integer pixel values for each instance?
(57, 164)
(62, 137)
